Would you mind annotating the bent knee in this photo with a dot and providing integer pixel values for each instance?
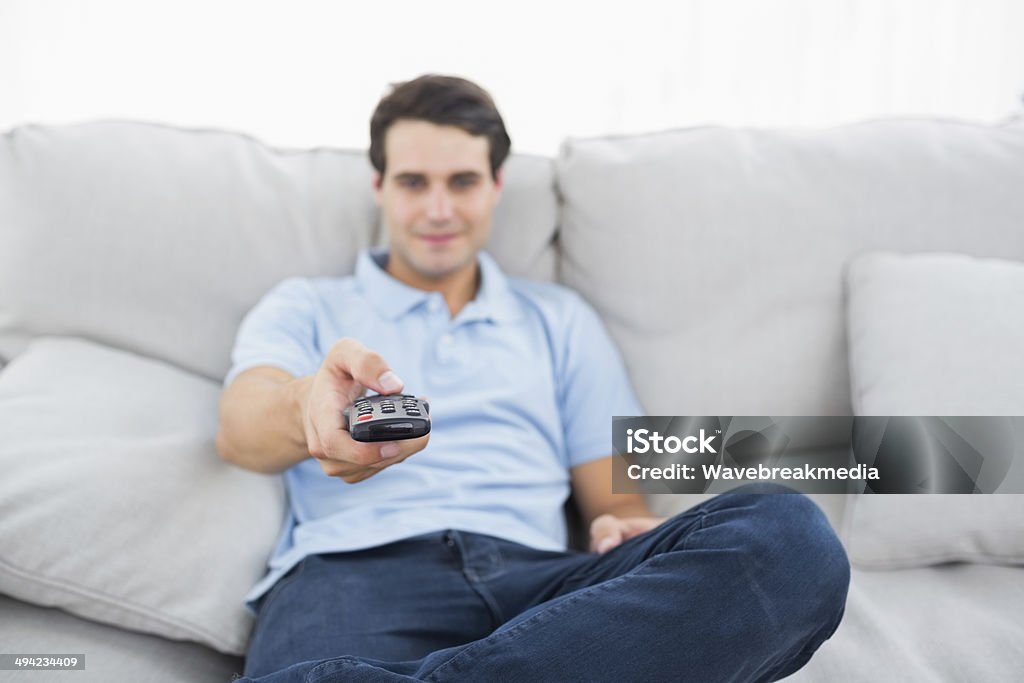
(785, 535)
(795, 542)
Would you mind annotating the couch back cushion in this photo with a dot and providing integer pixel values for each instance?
(157, 239)
(941, 334)
(716, 255)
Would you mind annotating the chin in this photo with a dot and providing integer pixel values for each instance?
(436, 268)
(438, 272)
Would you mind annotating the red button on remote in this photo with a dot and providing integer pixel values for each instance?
(364, 417)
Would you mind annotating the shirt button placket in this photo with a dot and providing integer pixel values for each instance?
(446, 347)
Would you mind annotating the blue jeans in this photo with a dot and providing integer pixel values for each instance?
(743, 587)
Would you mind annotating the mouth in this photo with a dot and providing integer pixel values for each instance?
(438, 239)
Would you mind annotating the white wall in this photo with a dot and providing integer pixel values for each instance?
(308, 72)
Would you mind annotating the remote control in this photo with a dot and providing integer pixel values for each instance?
(388, 418)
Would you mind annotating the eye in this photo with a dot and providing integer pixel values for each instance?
(411, 182)
(462, 182)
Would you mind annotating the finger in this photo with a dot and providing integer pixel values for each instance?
(607, 543)
(337, 468)
(358, 475)
(367, 368)
(634, 526)
(388, 462)
(344, 447)
(352, 474)
(603, 526)
(352, 471)
(401, 451)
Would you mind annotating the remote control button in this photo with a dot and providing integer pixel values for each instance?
(363, 418)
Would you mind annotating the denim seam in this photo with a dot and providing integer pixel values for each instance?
(700, 526)
(493, 608)
(314, 673)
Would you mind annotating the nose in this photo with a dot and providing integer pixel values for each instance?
(439, 206)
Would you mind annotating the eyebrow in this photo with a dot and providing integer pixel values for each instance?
(458, 175)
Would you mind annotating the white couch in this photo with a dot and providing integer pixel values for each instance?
(730, 266)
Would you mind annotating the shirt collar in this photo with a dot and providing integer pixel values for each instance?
(494, 300)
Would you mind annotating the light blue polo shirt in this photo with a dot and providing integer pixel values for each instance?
(523, 384)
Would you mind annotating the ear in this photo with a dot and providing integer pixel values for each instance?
(499, 183)
(378, 182)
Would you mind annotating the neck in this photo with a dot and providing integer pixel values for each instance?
(458, 288)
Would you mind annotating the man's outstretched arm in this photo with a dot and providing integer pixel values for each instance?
(261, 425)
(270, 420)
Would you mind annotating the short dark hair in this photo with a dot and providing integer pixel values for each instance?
(445, 101)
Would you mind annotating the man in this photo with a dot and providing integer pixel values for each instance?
(442, 558)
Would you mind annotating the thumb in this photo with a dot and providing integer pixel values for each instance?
(605, 533)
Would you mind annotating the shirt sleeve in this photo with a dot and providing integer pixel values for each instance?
(594, 386)
(280, 331)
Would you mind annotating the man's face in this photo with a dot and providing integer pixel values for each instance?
(436, 195)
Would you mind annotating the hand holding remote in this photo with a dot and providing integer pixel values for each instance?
(388, 418)
(347, 371)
